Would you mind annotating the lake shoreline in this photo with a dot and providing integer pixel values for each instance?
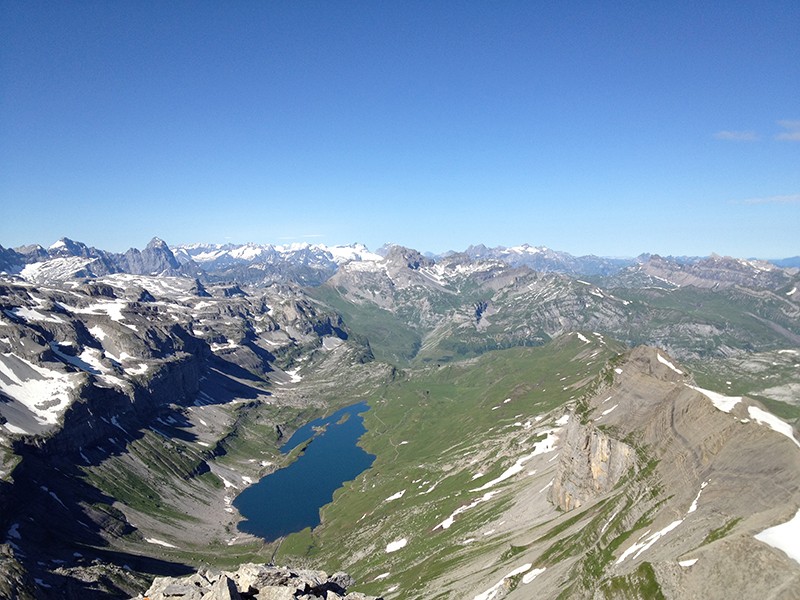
(291, 498)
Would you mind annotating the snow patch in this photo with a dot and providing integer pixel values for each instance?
(228, 345)
(762, 417)
(14, 429)
(608, 410)
(396, 545)
(532, 574)
(688, 562)
(461, 509)
(295, 378)
(495, 589)
(31, 314)
(784, 537)
(639, 547)
(582, 338)
(664, 361)
(396, 496)
(141, 369)
(158, 542)
(98, 333)
(541, 447)
(723, 403)
(693, 506)
(112, 309)
(43, 391)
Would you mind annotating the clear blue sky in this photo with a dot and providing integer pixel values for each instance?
(611, 128)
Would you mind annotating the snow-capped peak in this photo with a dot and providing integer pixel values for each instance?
(358, 252)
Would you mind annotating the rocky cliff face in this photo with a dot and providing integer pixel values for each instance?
(591, 464)
(155, 259)
(680, 499)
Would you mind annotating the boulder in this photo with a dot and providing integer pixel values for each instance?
(262, 582)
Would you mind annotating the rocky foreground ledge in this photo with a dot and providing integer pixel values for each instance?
(257, 582)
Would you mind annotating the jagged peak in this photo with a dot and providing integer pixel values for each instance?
(157, 242)
(60, 243)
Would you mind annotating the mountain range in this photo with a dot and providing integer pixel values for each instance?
(542, 425)
(306, 264)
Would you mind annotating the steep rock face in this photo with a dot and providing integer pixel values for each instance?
(155, 259)
(10, 261)
(591, 464)
(102, 411)
(15, 583)
(402, 257)
(686, 499)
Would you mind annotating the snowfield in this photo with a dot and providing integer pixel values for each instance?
(45, 392)
(396, 496)
(723, 403)
(784, 537)
(762, 417)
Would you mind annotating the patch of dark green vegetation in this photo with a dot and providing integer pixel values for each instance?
(721, 532)
(642, 583)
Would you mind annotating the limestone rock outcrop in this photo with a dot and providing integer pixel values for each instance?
(591, 464)
(261, 582)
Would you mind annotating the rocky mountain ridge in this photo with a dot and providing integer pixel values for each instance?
(457, 307)
(125, 399)
(310, 264)
(133, 408)
(67, 259)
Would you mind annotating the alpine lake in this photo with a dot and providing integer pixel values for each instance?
(289, 500)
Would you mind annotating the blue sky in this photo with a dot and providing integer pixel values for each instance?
(611, 128)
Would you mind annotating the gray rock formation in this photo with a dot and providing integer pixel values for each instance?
(591, 464)
(714, 272)
(155, 259)
(261, 582)
(14, 580)
(544, 259)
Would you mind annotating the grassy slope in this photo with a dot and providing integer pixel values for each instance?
(729, 314)
(446, 415)
(391, 339)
